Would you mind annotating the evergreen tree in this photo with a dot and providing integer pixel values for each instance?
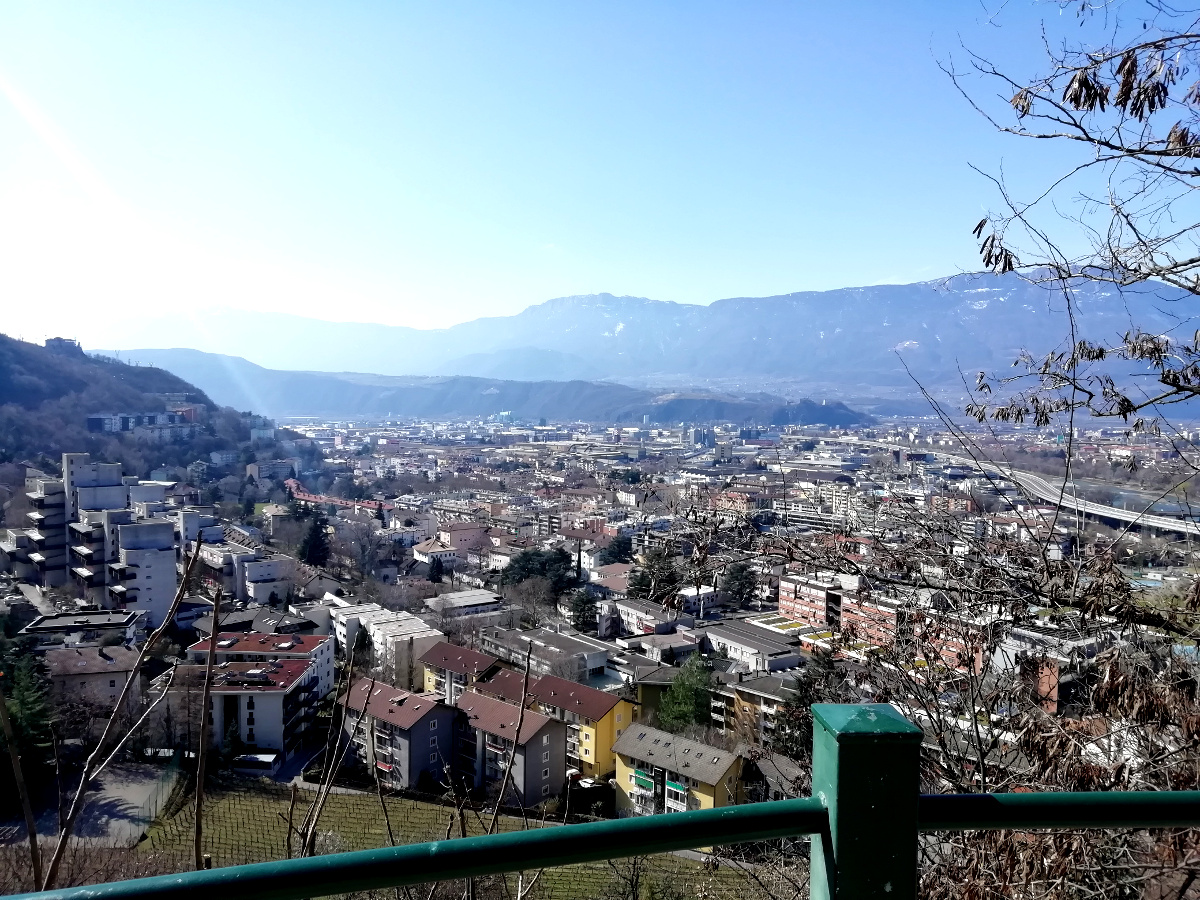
(619, 550)
(314, 549)
(740, 583)
(583, 610)
(686, 701)
(556, 566)
(821, 682)
(436, 570)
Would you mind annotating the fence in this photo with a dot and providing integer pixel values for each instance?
(129, 828)
(865, 814)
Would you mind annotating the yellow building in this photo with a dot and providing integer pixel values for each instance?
(660, 772)
(594, 719)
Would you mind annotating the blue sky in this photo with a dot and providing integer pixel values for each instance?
(425, 164)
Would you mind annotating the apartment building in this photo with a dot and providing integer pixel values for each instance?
(407, 738)
(487, 735)
(594, 720)
(144, 576)
(659, 772)
(257, 647)
(450, 670)
(93, 676)
(267, 706)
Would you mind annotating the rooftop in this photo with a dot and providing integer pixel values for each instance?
(669, 751)
(498, 718)
(90, 661)
(262, 642)
(397, 707)
(460, 660)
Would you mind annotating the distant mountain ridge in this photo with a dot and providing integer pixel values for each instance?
(863, 336)
(242, 384)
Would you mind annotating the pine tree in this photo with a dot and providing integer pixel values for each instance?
(436, 570)
(314, 549)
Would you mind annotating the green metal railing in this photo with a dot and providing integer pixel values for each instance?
(865, 808)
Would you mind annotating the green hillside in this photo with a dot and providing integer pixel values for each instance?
(47, 394)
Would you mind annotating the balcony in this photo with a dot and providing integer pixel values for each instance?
(864, 758)
(121, 572)
(87, 577)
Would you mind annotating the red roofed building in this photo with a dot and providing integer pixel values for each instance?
(267, 706)
(408, 738)
(254, 646)
(487, 736)
(450, 669)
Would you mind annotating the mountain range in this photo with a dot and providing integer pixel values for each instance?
(233, 381)
(859, 339)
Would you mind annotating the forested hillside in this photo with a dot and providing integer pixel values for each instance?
(46, 396)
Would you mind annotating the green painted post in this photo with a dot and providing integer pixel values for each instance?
(866, 766)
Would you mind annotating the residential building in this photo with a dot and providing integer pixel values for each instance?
(144, 576)
(594, 720)
(266, 706)
(551, 651)
(85, 629)
(450, 670)
(659, 772)
(488, 736)
(93, 676)
(407, 738)
(257, 647)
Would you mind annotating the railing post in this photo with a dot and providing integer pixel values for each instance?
(866, 766)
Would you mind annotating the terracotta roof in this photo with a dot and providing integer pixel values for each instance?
(498, 718)
(262, 642)
(505, 684)
(574, 697)
(460, 660)
(397, 707)
(239, 677)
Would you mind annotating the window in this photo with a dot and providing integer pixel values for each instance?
(433, 741)
(250, 736)
(545, 739)
(250, 719)
(618, 717)
(433, 757)
(632, 780)
(545, 774)
(587, 752)
(250, 703)
(545, 790)
(112, 682)
(433, 725)
(546, 756)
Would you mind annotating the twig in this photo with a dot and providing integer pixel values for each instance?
(90, 769)
(22, 791)
(512, 753)
(205, 724)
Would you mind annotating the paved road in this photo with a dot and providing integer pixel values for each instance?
(34, 596)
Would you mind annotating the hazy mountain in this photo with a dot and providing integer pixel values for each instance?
(242, 384)
(852, 336)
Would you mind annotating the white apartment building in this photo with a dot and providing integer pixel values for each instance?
(144, 577)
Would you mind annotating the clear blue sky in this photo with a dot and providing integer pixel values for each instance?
(430, 163)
